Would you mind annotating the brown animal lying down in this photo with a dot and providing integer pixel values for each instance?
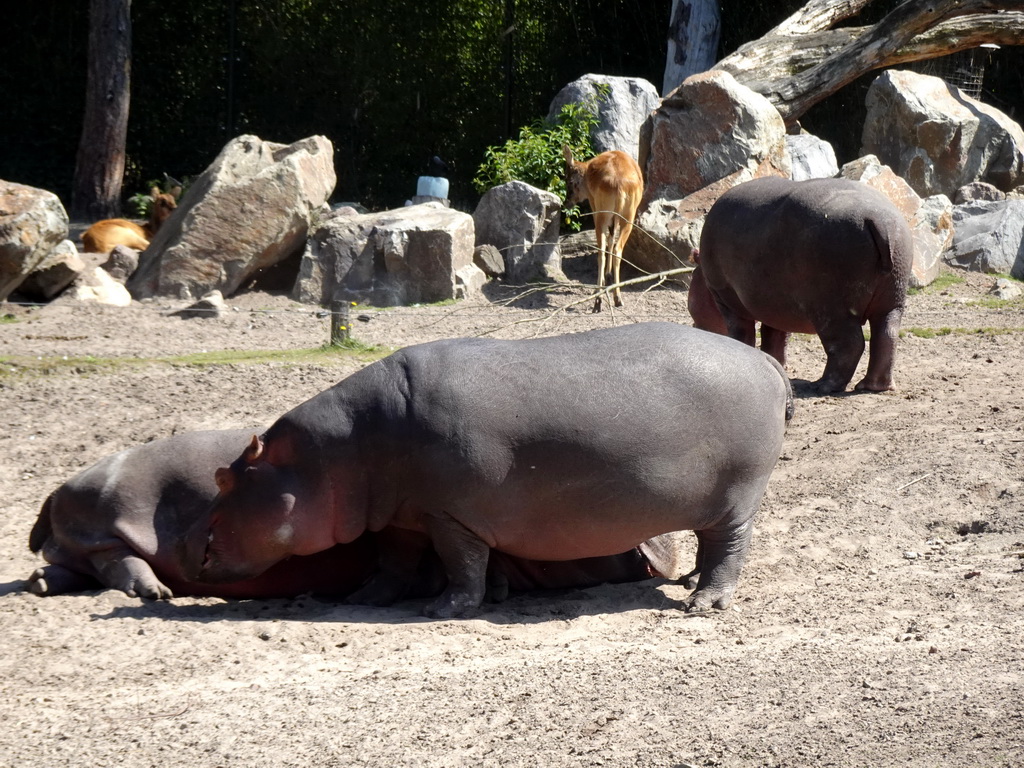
(104, 235)
(119, 523)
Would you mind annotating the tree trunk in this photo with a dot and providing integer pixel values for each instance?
(693, 36)
(99, 166)
(802, 61)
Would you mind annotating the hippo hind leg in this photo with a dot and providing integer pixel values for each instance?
(844, 345)
(885, 330)
(58, 580)
(721, 553)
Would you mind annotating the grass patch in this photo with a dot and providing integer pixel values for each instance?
(931, 333)
(7, 318)
(939, 284)
(21, 365)
(994, 302)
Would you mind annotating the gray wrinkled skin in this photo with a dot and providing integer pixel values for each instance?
(822, 256)
(567, 447)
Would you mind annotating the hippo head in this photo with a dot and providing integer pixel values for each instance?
(251, 524)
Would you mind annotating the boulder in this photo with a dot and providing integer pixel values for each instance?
(406, 256)
(209, 307)
(121, 263)
(250, 209)
(620, 113)
(939, 139)
(95, 285)
(988, 237)
(522, 223)
(708, 128)
(977, 190)
(810, 157)
(32, 224)
(56, 272)
(931, 224)
(1007, 289)
(490, 260)
(708, 135)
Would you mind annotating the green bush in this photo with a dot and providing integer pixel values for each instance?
(536, 156)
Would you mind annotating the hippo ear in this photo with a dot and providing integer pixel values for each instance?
(253, 451)
(225, 479)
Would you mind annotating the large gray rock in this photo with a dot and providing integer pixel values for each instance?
(709, 128)
(708, 135)
(95, 286)
(620, 114)
(810, 157)
(930, 220)
(522, 223)
(937, 138)
(415, 254)
(56, 272)
(989, 237)
(249, 210)
(32, 224)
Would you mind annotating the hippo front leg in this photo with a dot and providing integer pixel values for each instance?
(464, 558)
(885, 330)
(773, 342)
(399, 553)
(122, 569)
(721, 553)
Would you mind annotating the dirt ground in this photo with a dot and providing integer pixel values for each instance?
(879, 620)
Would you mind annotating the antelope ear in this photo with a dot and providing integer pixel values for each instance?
(567, 153)
(225, 479)
(253, 451)
(175, 191)
(154, 192)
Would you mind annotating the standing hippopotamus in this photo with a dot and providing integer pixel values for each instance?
(559, 448)
(822, 256)
(119, 523)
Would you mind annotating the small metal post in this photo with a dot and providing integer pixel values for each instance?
(340, 328)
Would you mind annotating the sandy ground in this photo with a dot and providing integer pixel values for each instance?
(879, 621)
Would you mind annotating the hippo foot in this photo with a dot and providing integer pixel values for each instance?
(828, 386)
(704, 600)
(452, 606)
(37, 583)
(149, 590)
(882, 385)
(380, 592)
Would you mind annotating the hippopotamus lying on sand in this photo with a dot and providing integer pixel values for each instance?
(559, 448)
(119, 524)
(822, 256)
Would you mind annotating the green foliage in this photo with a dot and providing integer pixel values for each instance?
(536, 156)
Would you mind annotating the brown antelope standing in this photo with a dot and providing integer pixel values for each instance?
(102, 236)
(613, 183)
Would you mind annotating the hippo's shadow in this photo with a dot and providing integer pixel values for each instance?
(535, 607)
(803, 389)
(10, 587)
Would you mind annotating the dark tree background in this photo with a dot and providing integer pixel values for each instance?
(391, 84)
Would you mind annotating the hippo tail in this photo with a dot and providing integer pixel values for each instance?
(43, 528)
(883, 244)
(790, 407)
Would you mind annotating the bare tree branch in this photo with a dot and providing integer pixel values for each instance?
(802, 61)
